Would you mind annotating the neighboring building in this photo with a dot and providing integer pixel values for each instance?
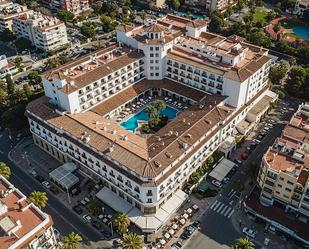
(219, 79)
(6, 67)
(220, 5)
(77, 7)
(22, 224)
(284, 180)
(301, 6)
(284, 175)
(9, 11)
(45, 32)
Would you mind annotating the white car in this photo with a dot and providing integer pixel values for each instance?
(249, 232)
(216, 183)
(46, 184)
(266, 241)
(86, 217)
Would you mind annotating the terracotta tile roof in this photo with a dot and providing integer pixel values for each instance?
(124, 28)
(146, 156)
(154, 28)
(261, 105)
(140, 87)
(303, 177)
(197, 23)
(295, 132)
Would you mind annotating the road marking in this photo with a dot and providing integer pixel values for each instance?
(211, 207)
(218, 204)
(220, 208)
(227, 211)
(231, 214)
(223, 210)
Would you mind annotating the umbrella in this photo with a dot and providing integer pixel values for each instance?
(174, 226)
(166, 98)
(195, 207)
(127, 109)
(138, 103)
(133, 105)
(162, 242)
(142, 100)
(189, 210)
(171, 231)
(182, 221)
(186, 216)
(167, 236)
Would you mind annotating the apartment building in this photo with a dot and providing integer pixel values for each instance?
(77, 7)
(45, 32)
(219, 79)
(6, 67)
(284, 175)
(22, 224)
(219, 5)
(9, 11)
(300, 7)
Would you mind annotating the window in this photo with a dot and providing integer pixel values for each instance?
(151, 48)
(149, 200)
(151, 54)
(288, 189)
(149, 193)
(290, 183)
(157, 48)
(279, 185)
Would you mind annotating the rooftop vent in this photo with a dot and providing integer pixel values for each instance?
(114, 132)
(168, 155)
(125, 138)
(210, 106)
(157, 164)
(188, 135)
(184, 145)
(208, 121)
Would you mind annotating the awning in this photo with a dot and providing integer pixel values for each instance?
(148, 223)
(222, 169)
(63, 175)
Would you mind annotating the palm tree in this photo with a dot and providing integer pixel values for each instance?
(72, 241)
(121, 222)
(5, 170)
(160, 105)
(150, 111)
(38, 198)
(243, 243)
(143, 16)
(132, 241)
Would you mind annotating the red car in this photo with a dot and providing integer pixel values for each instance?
(54, 189)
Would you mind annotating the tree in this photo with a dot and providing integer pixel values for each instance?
(243, 243)
(303, 54)
(97, 7)
(27, 90)
(132, 241)
(88, 29)
(150, 109)
(7, 36)
(72, 241)
(251, 169)
(194, 177)
(18, 60)
(51, 63)
(95, 208)
(3, 93)
(277, 27)
(143, 16)
(9, 85)
(175, 4)
(9, 117)
(277, 73)
(38, 198)
(44, 11)
(22, 43)
(121, 222)
(5, 170)
(107, 23)
(216, 23)
(298, 82)
(160, 105)
(210, 160)
(65, 16)
(292, 61)
(35, 78)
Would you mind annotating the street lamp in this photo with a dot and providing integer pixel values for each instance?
(69, 199)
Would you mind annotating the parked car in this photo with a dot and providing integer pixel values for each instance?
(78, 209)
(33, 173)
(46, 184)
(256, 141)
(196, 224)
(57, 233)
(189, 230)
(54, 189)
(75, 191)
(216, 183)
(85, 201)
(96, 224)
(249, 232)
(106, 234)
(41, 179)
(266, 241)
(87, 218)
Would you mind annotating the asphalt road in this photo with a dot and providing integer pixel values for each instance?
(217, 230)
(65, 220)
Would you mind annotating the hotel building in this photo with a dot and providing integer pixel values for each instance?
(9, 11)
(300, 7)
(75, 6)
(219, 79)
(22, 224)
(284, 175)
(219, 5)
(45, 32)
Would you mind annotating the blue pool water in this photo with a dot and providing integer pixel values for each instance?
(131, 124)
(193, 15)
(302, 31)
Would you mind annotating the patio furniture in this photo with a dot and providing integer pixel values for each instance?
(138, 103)
(189, 211)
(174, 226)
(128, 109)
(105, 220)
(109, 216)
(170, 100)
(162, 242)
(171, 232)
(133, 105)
(195, 207)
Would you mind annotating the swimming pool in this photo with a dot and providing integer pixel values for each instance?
(132, 123)
(302, 31)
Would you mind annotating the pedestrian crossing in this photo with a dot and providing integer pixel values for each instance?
(222, 209)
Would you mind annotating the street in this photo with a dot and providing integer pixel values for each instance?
(217, 224)
(64, 219)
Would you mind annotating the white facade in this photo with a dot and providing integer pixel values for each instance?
(300, 7)
(46, 33)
